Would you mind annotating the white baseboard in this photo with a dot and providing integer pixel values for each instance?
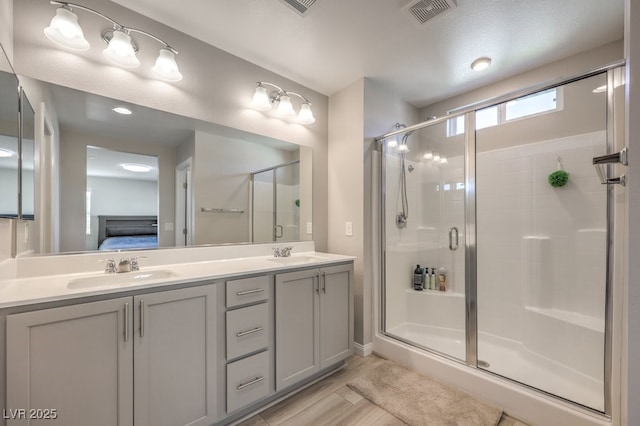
(363, 350)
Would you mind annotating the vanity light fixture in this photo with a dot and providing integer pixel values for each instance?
(138, 168)
(121, 50)
(122, 110)
(481, 64)
(5, 153)
(263, 100)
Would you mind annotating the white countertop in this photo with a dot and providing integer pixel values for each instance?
(39, 289)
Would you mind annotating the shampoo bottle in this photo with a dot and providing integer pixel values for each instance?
(442, 279)
(418, 281)
(433, 281)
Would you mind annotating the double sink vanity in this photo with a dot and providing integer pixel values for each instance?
(198, 336)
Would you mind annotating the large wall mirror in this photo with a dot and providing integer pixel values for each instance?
(9, 145)
(133, 178)
(17, 146)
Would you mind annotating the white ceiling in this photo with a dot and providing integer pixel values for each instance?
(340, 41)
(107, 163)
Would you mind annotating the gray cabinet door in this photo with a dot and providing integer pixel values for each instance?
(175, 357)
(297, 327)
(336, 317)
(77, 360)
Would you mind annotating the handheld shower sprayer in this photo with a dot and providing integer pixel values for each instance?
(403, 215)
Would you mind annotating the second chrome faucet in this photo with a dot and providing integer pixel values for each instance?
(282, 251)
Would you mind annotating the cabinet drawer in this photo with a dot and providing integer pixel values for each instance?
(247, 330)
(247, 381)
(247, 290)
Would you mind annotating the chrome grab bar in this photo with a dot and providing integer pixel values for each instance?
(252, 382)
(621, 157)
(451, 246)
(254, 330)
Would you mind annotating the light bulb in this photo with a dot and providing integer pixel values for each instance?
(166, 67)
(403, 148)
(428, 155)
(120, 51)
(443, 160)
(392, 143)
(285, 109)
(261, 99)
(436, 157)
(65, 31)
(305, 116)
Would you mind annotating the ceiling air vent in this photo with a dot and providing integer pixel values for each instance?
(300, 6)
(425, 10)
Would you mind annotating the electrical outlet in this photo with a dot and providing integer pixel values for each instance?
(309, 228)
(168, 226)
(348, 229)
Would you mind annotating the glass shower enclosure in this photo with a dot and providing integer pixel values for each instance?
(502, 206)
(275, 203)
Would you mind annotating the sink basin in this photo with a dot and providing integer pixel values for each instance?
(294, 260)
(125, 278)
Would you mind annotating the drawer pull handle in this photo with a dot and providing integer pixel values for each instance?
(244, 333)
(242, 293)
(253, 382)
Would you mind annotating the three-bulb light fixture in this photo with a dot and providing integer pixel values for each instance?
(121, 50)
(263, 100)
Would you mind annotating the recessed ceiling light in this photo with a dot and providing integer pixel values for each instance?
(122, 110)
(481, 64)
(138, 168)
(600, 89)
(5, 153)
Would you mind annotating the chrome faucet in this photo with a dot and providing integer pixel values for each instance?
(124, 265)
(111, 266)
(282, 251)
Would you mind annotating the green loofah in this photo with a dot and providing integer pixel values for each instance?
(297, 202)
(558, 178)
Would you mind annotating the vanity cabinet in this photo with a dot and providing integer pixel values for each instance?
(314, 321)
(141, 360)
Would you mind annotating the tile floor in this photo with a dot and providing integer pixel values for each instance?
(330, 402)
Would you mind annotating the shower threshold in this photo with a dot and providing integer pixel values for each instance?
(509, 359)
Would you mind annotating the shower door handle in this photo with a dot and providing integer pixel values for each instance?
(453, 243)
(278, 228)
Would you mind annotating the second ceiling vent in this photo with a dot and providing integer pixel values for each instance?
(425, 10)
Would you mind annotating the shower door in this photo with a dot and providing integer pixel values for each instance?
(542, 241)
(424, 217)
(275, 204)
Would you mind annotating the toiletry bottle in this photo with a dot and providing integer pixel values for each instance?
(433, 282)
(427, 278)
(442, 279)
(418, 282)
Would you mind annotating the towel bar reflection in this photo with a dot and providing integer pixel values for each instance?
(212, 210)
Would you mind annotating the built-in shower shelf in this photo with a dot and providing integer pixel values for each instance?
(435, 293)
(580, 320)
